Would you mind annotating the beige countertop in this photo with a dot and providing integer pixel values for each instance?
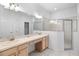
(9, 44)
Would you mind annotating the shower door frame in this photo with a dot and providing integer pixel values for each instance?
(71, 34)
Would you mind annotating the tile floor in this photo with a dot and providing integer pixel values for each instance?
(49, 52)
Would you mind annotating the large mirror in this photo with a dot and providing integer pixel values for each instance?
(52, 25)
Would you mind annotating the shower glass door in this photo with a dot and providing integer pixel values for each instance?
(67, 34)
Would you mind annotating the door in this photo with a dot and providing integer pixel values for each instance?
(26, 28)
(67, 34)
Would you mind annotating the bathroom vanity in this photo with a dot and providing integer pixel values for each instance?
(19, 46)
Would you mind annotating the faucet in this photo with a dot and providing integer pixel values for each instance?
(12, 37)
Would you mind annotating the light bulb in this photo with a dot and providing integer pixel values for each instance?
(18, 9)
(12, 7)
(37, 16)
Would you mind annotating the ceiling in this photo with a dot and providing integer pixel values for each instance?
(59, 6)
(44, 9)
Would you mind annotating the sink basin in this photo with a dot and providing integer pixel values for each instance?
(2, 40)
(11, 39)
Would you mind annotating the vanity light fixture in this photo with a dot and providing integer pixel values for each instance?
(53, 22)
(12, 6)
(15, 7)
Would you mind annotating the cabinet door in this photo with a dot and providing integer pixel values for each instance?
(43, 43)
(22, 46)
(9, 52)
(23, 52)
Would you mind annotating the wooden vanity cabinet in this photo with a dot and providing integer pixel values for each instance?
(23, 50)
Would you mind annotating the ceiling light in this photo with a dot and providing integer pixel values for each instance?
(55, 8)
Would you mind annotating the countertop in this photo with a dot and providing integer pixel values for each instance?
(20, 40)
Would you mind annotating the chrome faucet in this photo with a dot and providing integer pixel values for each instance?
(12, 37)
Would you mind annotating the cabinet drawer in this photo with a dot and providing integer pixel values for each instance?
(35, 41)
(23, 46)
(38, 40)
(23, 52)
(9, 52)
